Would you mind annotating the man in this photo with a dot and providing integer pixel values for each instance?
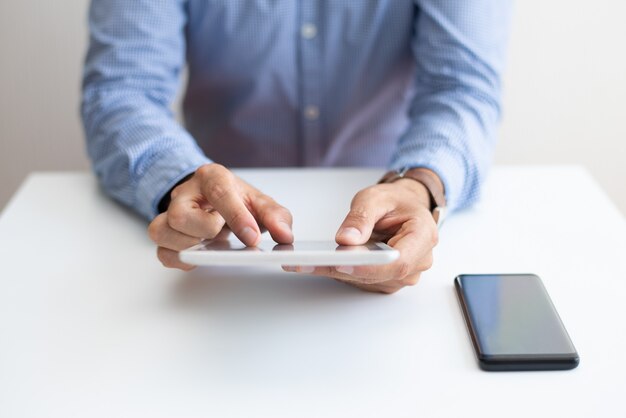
(411, 84)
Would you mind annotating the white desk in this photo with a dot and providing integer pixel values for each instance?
(92, 326)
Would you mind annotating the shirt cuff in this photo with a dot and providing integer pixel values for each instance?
(168, 169)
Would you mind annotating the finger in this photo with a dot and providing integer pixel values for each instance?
(366, 209)
(223, 235)
(300, 269)
(222, 192)
(388, 287)
(326, 271)
(274, 217)
(169, 258)
(186, 215)
(163, 235)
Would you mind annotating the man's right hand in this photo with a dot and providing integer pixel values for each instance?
(207, 202)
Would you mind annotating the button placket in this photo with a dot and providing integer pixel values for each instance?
(310, 83)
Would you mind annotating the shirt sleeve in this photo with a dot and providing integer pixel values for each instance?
(459, 50)
(132, 70)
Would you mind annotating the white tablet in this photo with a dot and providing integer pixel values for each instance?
(301, 253)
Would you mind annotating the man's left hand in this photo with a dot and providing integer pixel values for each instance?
(397, 213)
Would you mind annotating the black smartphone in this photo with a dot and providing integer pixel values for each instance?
(513, 323)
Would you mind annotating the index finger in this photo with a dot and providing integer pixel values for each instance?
(221, 191)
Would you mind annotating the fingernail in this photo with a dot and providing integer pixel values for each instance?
(289, 268)
(284, 225)
(350, 232)
(306, 269)
(248, 236)
(345, 269)
(286, 228)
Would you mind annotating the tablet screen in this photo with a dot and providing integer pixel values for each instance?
(271, 246)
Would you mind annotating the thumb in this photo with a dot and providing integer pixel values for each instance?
(358, 225)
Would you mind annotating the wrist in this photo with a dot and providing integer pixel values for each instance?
(164, 203)
(430, 181)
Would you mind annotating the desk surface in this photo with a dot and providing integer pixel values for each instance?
(93, 326)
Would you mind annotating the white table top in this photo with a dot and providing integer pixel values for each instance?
(93, 326)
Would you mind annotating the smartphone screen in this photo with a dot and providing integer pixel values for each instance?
(513, 323)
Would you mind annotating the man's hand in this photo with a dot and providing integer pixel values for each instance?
(207, 202)
(398, 213)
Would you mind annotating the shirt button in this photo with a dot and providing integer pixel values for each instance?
(308, 31)
(312, 112)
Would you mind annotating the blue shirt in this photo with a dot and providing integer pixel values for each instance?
(396, 83)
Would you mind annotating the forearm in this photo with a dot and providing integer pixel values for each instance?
(454, 141)
(138, 151)
(459, 54)
(135, 56)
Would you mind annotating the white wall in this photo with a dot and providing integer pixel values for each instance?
(565, 99)
(565, 89)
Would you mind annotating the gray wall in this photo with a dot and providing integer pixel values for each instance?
(565, 97)
(41, 49)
